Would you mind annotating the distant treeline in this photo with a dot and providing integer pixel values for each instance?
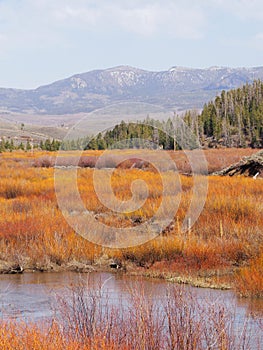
(233, 119)
(149, 133)
(47, 145)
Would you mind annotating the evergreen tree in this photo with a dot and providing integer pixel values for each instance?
(28, 146)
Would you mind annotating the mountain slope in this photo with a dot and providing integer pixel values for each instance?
(177, 88)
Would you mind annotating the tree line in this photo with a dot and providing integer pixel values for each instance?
(46, 145)
(233, 119)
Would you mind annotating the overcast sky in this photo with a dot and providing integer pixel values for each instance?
(45, 40)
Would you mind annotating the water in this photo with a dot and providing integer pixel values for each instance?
(32, 296)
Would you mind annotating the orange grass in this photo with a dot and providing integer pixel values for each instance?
(227, 236)
(19, 336)
(249, 282)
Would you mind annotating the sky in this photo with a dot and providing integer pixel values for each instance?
(42, 41)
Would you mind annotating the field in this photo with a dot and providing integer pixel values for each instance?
(224, 248)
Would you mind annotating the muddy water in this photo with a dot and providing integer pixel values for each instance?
(32, 296)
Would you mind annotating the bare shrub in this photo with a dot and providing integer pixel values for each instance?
(44, 162)
(88, 161)
(179, 321)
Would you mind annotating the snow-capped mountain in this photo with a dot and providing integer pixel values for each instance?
(176, 88)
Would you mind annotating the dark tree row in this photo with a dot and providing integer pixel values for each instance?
(9, 145)
(233, 119)
(47, 145)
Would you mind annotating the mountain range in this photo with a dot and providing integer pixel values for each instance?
(178, 88)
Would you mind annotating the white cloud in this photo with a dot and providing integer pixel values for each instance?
(71, 14)
(40, 24)
(244, 9)
(143, 18)
(173, 19)
(28, 24)
(46, 23)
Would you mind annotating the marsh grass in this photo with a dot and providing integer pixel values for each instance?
(228, 235)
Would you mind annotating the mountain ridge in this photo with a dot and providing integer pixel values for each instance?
(177, 88)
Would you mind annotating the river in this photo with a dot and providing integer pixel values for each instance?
(31, 295)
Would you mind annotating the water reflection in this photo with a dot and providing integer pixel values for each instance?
(32, 296)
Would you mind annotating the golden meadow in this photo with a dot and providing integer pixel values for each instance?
(224, 248)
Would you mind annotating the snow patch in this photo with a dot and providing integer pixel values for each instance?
(125, 78)
(78, 83)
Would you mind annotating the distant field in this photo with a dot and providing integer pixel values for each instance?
(217, 159)
(57, 126)
(20, 129)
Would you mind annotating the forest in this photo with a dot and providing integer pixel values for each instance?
(233, 119)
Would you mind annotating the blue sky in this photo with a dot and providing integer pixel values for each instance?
(45, 40)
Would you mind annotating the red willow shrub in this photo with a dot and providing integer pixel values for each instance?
(87, 318)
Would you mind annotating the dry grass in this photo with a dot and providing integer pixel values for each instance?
(228, 235)
(217, 159)
(17, 336)
(249, 282)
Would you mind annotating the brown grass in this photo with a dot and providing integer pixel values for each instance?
(249, 282)
(227, 238)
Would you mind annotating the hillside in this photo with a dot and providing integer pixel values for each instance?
(178, 88)
(233, 119)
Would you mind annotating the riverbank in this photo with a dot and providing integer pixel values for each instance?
(211, 279)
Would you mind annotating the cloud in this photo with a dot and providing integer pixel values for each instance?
(243, 9)
(47, 23)
(28, 24)
(174, 20)
(146, 18)
(32, 25)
